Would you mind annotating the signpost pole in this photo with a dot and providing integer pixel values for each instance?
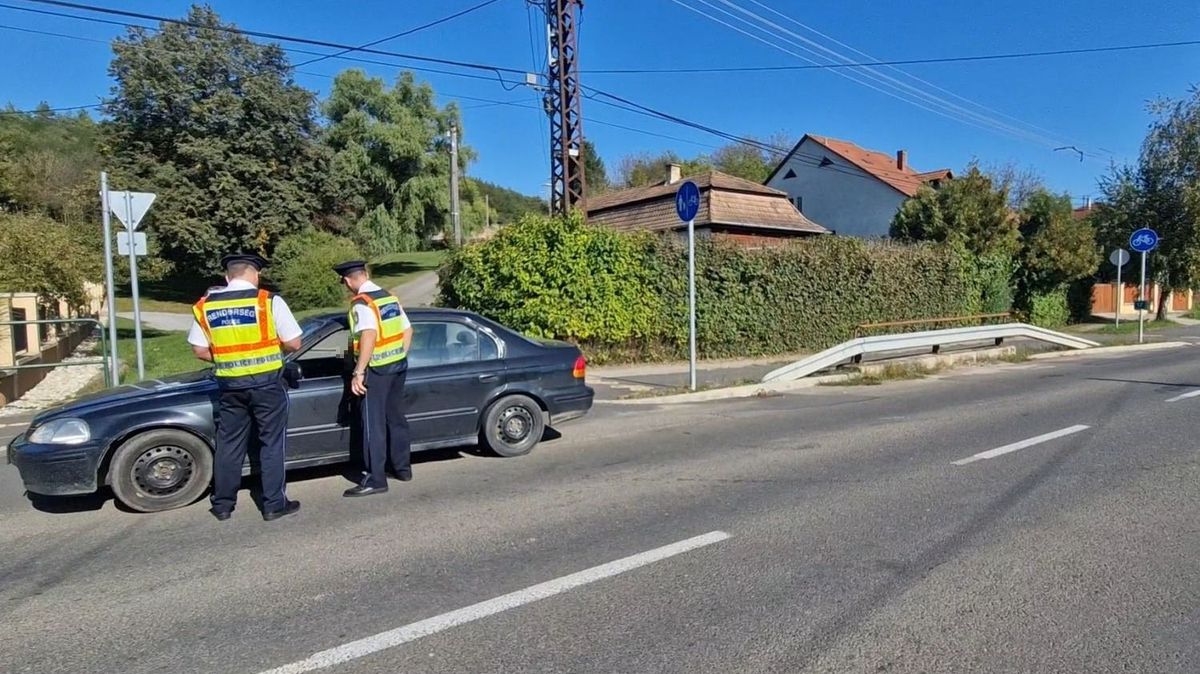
(133, 284)
(1118, 295)
(110, 295)
(692, 304)
(1142, 295)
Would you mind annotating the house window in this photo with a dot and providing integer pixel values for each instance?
(799, 202)
(20, 333)
(789, 175)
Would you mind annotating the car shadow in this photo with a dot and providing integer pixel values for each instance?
(66, 505)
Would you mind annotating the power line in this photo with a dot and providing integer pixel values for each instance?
(278, 37)
(410, 31)
(896, 62)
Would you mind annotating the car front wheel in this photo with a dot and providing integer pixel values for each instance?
(161, 470)
(513, 425)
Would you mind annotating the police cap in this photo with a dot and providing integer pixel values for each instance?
(349, 267)
(256, 261)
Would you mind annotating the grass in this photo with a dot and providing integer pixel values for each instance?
(166, 353)
(1130, 327)
(891, 372)
(176, 296)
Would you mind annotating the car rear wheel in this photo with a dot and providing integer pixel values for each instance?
(513, 425)
(161, 470)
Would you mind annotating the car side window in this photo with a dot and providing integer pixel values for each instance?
(447, 343)
(326, 358)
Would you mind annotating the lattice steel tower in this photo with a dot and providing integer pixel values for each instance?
(568, 185)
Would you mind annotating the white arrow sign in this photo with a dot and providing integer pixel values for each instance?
(130, 207)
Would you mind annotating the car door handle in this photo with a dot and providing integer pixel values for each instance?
(488, 378)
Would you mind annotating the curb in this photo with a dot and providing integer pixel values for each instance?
(1109, 350)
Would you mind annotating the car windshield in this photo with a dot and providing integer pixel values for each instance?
(312, 324)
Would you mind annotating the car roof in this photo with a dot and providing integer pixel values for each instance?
(418, 312)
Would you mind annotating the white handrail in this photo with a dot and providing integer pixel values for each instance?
(925, 339)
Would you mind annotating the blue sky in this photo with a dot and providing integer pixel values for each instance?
(1095, 101)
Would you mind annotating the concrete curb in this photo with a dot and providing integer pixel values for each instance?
(746, 391)
(1109, 350)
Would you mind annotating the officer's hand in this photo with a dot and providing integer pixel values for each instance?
(358, 384)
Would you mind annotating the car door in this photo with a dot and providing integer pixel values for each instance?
(453, 369)
(318, 416)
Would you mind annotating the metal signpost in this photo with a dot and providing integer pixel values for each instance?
(687, 204)
(1119, 257)
(1143, 241)
(113, 374)
(130, 208)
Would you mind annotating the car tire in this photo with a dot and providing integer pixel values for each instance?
(513, 425)
(161, 470)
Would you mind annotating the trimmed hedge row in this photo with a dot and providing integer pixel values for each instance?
(624, 297)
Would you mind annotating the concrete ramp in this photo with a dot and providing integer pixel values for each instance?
(860, 346)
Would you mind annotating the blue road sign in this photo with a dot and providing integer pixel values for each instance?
(1144, 240)
(687, 201)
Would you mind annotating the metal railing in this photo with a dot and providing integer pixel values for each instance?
(102, 360)
(866, 327)
(854, 349)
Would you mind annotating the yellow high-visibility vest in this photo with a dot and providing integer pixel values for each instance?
(240, 327)
(389, 316)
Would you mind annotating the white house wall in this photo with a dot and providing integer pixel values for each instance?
(841, 197)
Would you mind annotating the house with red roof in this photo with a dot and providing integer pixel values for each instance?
(850, 190)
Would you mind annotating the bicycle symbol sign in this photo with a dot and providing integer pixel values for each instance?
(1144, 240)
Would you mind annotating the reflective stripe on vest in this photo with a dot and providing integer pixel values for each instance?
(240, 326)
(389, 316)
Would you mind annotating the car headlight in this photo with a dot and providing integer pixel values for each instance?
(62, 432)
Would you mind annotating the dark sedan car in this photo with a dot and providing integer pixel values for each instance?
(470, 380)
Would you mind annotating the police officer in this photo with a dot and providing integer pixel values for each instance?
(244, 332)
(381, 336)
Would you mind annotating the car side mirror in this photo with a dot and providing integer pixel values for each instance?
(292, 374)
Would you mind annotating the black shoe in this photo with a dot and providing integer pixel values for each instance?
(221, 515)
(364, 490)
(403, 477)
(289, 508)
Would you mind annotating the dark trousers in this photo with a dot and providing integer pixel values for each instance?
(385, 427)
(266, 409)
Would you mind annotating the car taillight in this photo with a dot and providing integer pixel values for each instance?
(580, 367)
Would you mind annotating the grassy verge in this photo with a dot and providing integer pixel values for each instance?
(1130, 327)
(166, 353)
(891, 372)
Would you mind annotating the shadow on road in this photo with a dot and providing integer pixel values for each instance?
(1147, 383)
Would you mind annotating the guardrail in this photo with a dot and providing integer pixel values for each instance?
(854, 349)
(102, 360)
(866, 327)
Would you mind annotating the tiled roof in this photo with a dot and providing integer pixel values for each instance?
(724, 200)
(882, 166)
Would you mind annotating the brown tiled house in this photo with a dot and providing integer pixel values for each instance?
(730, 208)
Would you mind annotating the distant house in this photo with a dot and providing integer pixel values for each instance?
(849, 189)
(1084, 211)
(730, 208)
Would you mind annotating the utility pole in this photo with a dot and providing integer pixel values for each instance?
(458, 239)
(563, 98)
(487, 212)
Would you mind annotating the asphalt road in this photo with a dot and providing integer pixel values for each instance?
(835, 530)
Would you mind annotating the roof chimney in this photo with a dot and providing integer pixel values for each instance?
(674, 173)
(1087, 202)
(902, 160)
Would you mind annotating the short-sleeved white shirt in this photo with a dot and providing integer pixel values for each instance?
(364, 318)
(286, 326)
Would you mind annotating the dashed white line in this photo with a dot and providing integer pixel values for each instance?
(424, 628)
(1184, 396)
(1006, 449)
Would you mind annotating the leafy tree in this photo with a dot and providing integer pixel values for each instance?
(29, 264)
(752, 162)
(593, 169)
(1056, 248)
(391, 162)
(303, 264)
(49, 164)
(647, 169)
(508, 205)
(213, 123)
(971, 210)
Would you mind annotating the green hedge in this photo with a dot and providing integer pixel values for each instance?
(303, 268)
(624, 297)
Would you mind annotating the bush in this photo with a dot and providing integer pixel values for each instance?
(302, 268)
(624, 297)
(1049, 310)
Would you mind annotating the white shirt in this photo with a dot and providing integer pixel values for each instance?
(286, 326)
(364, 318)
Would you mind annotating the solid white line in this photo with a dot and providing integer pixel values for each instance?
(1184, 396)
(1000, 451)
(424, 628)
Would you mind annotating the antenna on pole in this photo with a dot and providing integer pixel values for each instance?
(567, 181)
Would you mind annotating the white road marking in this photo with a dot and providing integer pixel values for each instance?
(424, 628)
(25, 423)
(1006, 449)
(1184, 396)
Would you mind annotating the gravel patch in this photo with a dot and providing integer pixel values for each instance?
(61, 384)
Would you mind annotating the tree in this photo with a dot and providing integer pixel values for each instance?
(593, 169)
(49, 164)
(507, 205)
(55, 272)
(751, 161)
(302, 265)
(213, 123)
(391, 162)
(646, 169)
(971, 210)
(1056, 248)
